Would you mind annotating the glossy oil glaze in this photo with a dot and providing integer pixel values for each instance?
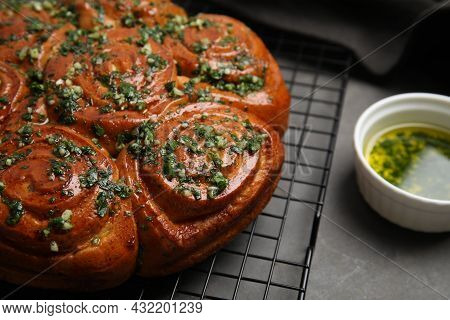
(415, 158)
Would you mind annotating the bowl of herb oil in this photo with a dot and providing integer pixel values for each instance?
(402, 147)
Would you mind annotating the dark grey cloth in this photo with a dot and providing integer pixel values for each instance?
(359, 25)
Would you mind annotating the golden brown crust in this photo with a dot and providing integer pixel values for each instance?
(230, 45)
(25, 33)
(52, 180)
(116, 12)
(117, 76)
(208, 248)
(12, 90)
(196, 106)
(18, 106)
(179, 228)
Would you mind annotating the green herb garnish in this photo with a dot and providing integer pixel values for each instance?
(16, 211)
(57, 168)
(62, 223)
(98, 130)
(108, 188)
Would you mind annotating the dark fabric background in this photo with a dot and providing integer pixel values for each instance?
(361, 25)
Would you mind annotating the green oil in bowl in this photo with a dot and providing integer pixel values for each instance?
(414, 158)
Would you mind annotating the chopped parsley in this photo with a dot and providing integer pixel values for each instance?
(34, 25)
(201, 95)
(255, 142)
(129, 91)
(90, 178)
(227, 41)
(108, 188)
(7, 161)
(189, 192)
(62, 223)
(64, 148)
(156, 33)
(219, 184)
(201, 46)
(215, 159)
(123, 94)
(216, 76)
(211, 136)
(16, 211)
(102, 203)
(79, 42)
(156, 63)
(171, 168)
(4, 100)
(219, 180)
(242, 61)
(174, 27)
(31, 53)
(68, 103)
(204, 95)
(142, 147)
(172, 89)
(247, 84)
(74, 43)
(129, 20)
(106, 109)
(36, 85)
(100, 58)
(25, 134)
(98, 130)
(190, 144)
(57, 168)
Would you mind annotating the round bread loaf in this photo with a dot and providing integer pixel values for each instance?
(129, 125)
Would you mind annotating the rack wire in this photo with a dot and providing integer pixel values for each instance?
(271, 259)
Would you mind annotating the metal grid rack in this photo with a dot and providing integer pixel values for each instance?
(271, 259)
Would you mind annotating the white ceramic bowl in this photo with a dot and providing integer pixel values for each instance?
(394, 204)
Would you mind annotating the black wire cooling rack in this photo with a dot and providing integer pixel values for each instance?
(271, 259)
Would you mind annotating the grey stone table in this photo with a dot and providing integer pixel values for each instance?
(359, 255)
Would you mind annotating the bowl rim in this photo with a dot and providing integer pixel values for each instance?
(358, 147)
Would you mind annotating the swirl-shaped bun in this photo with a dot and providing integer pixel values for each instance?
(27, 30)
(12, 90)
(21, 98)
(127, 124)
(110, 86)
(63, 212)
(201, 173)
(225, 57)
